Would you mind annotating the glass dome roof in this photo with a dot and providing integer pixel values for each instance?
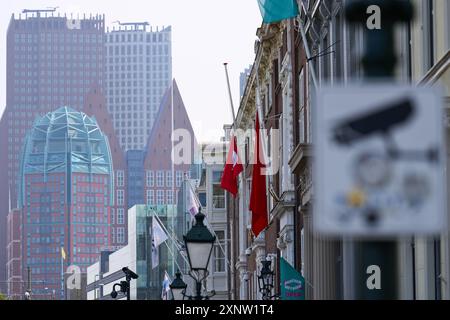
(66, 140)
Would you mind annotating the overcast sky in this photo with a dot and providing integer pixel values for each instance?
(205, 34)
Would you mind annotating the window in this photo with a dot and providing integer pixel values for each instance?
(120, 216)
(169, 197)
(160, 178)
(120, 197)
(150, 197)
(218, 193)
(219, 256)
(179, 178)
(150, 178)
(160, 197)
(121, 235)
(202, 198)
(120, 178)
(169, 179)
(113, 214)
(301, 114)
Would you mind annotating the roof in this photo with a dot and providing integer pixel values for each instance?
(62, 132)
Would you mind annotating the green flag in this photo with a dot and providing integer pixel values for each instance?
(277, 10)
(292, 282)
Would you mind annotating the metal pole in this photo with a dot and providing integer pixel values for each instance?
(199, 290)
(229, 93)
(128, 279)
(232, 202)
(378, 61)
(308, 54)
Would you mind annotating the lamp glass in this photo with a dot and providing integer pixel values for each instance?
(178, 293)
(199, 254)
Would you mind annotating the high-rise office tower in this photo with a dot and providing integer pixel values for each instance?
(52, 60)
(138, 72)
(65, 197)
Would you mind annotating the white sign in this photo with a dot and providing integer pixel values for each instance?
(379, 161)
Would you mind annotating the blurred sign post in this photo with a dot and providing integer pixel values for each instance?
(379, 61)
(380, 157)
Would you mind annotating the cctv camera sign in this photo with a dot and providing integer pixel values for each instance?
(379, 161)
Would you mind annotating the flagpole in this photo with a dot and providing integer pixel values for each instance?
(172, 161)
(244, 181)
(171, 237)
(229, 94)
(306, 45)
(262, 128)
(167, 231)
(178, 266)
(62, 276)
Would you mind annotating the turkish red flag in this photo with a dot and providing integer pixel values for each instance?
(233, 167)
(258, 196)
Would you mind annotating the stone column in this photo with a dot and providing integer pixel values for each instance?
(325, 260)
(309, 254)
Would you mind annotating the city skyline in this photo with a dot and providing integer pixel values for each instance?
(331, 183)
(224, 42)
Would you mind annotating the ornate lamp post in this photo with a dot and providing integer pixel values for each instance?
(265, 280)
(199, 242)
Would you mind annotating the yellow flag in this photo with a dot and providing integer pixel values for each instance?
(63, 253)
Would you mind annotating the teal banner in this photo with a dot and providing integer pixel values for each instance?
(277, 10)
(292, 282)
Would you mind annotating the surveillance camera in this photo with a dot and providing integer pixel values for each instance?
(123, 286)
(380, 121)
(248, 251)
(129, 273)
(114, 294)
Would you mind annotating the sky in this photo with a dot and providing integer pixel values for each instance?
(205, 34)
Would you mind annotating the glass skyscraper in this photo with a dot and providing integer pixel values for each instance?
(65, 194)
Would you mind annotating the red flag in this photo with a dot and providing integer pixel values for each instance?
(258, 196)
(233, 167)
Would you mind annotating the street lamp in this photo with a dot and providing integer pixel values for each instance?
(265, 280)
(178, 287)
(199, 242)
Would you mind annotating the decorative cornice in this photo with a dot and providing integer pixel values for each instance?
(299, 157)
(287, 203)
(270, 40)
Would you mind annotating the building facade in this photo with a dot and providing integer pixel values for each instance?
(96, 106)
(283, 80)
(65, 197)
(214, 206)
(138, 73)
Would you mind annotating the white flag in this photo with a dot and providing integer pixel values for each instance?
(192, 201)
(155, 255)
(158, 234)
